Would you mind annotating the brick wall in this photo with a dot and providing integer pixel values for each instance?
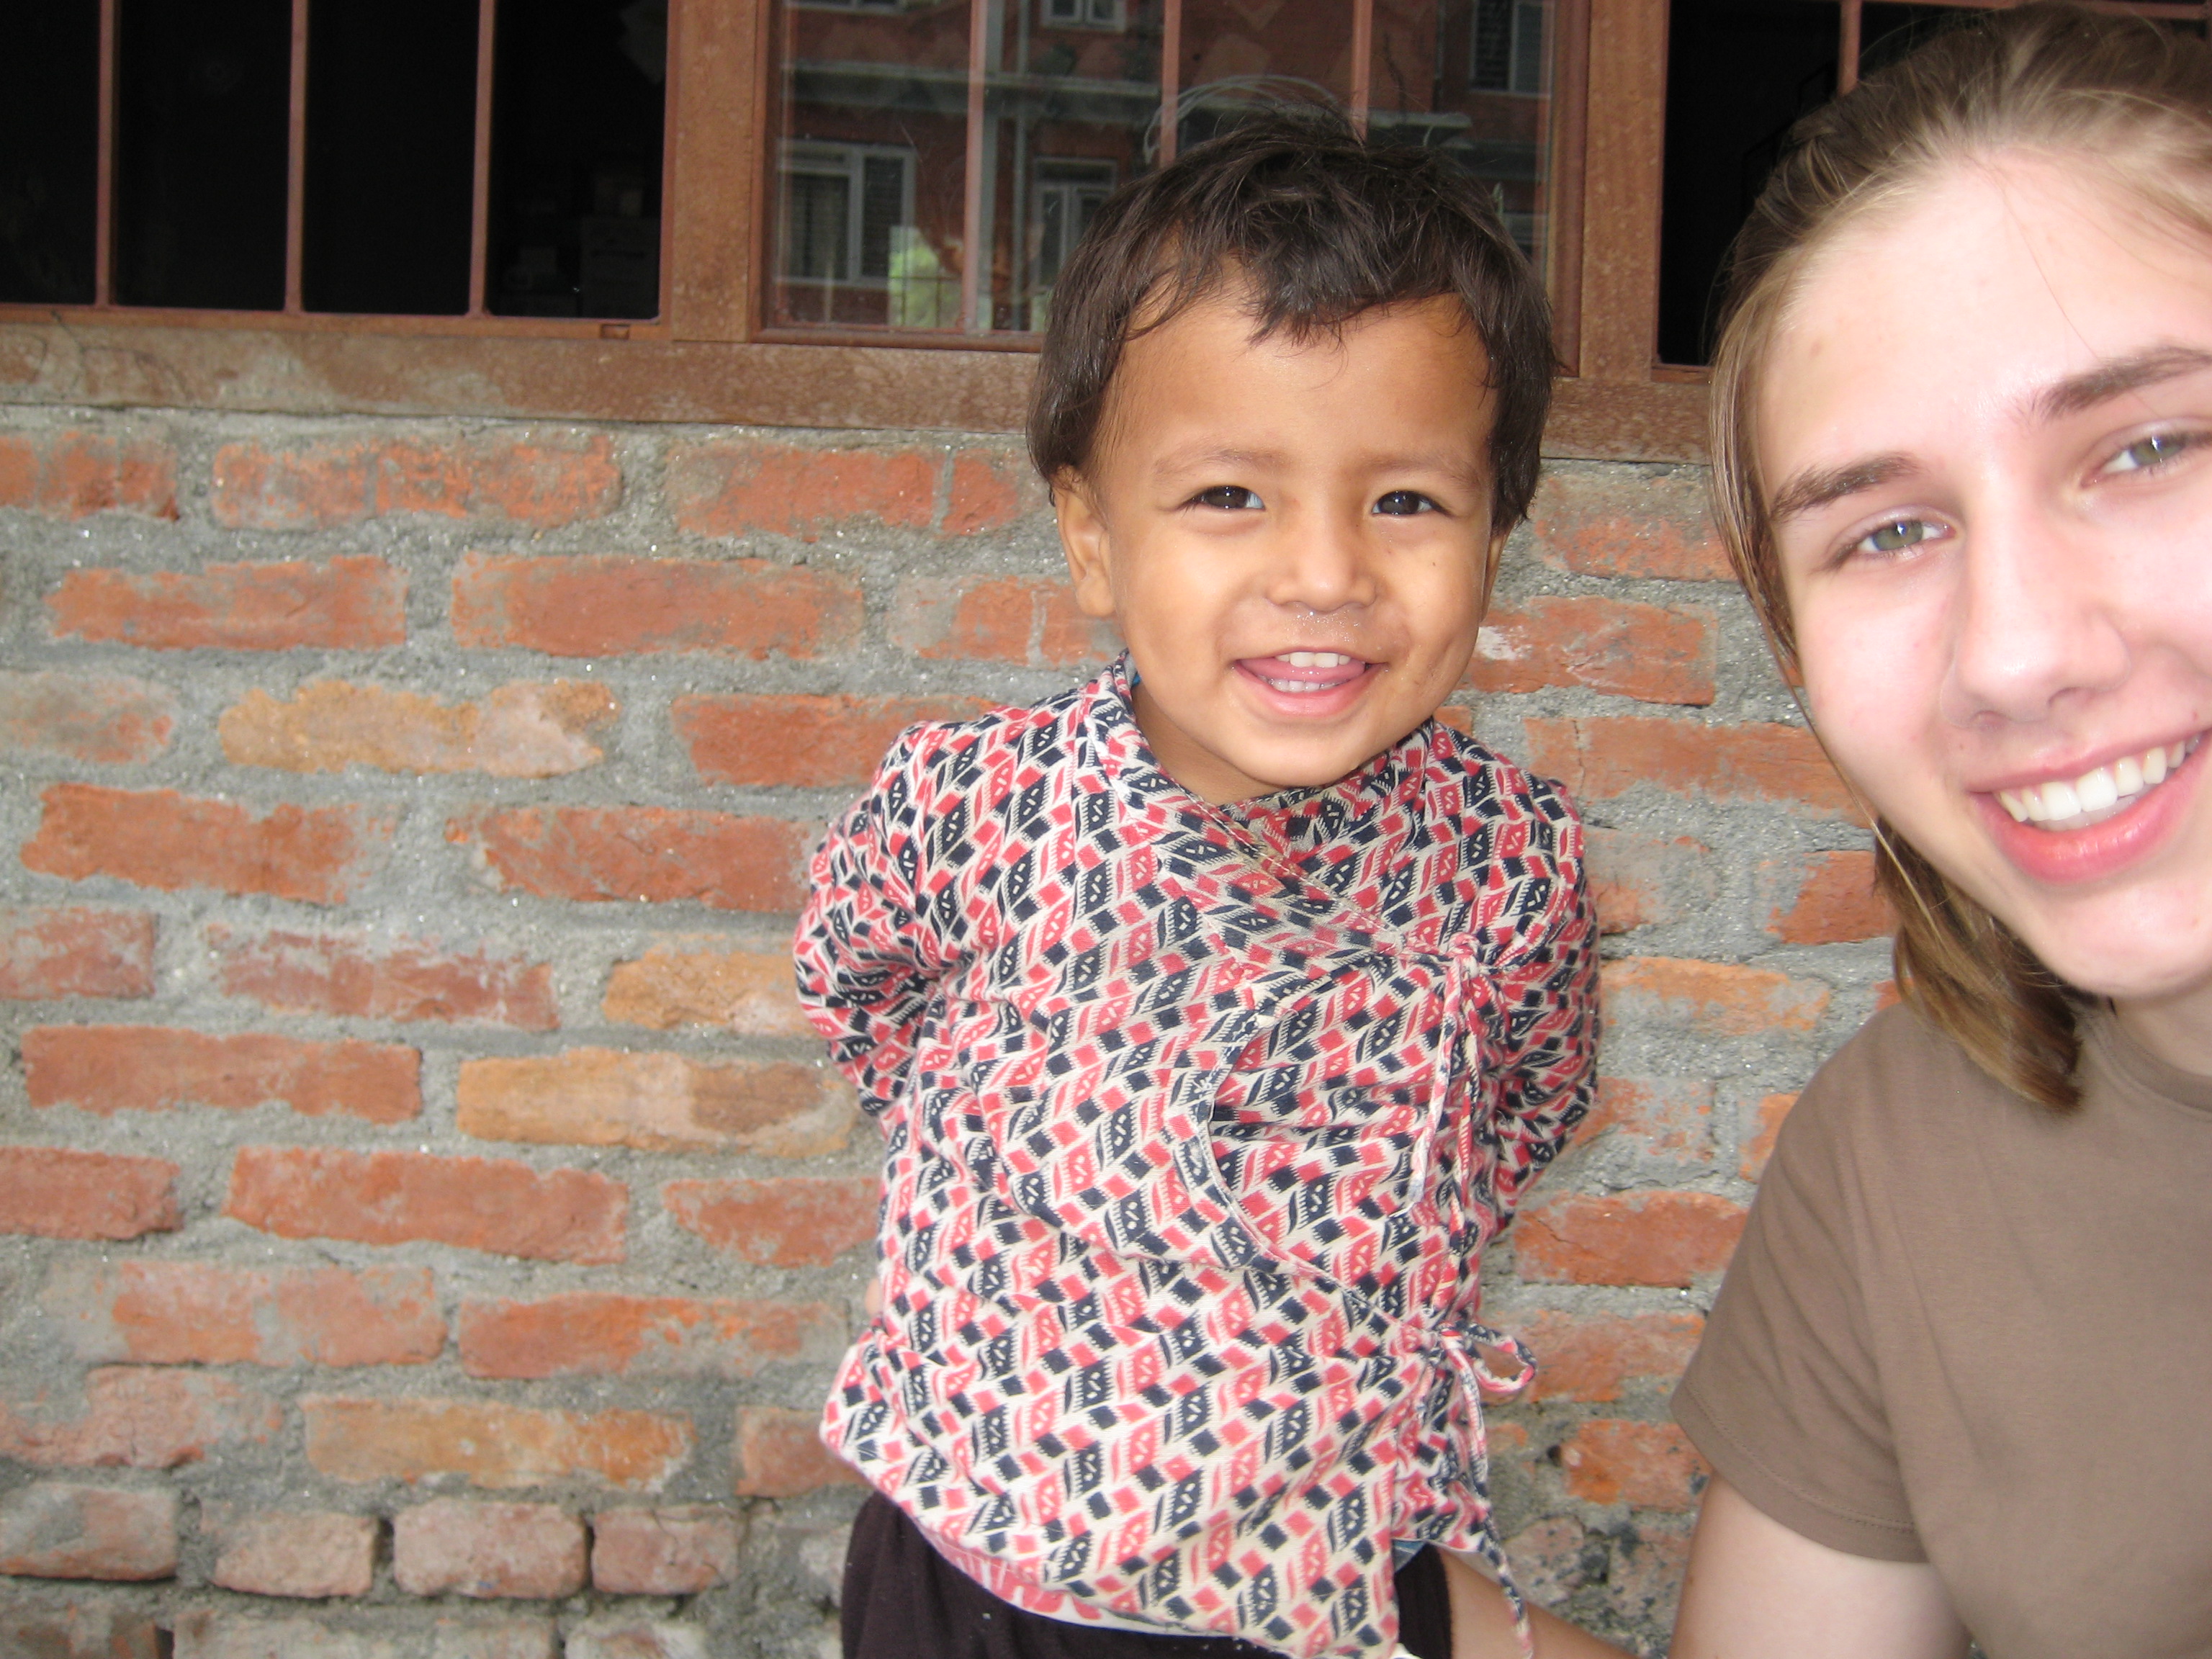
(426, 1227)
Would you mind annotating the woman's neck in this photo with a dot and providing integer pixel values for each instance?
(2176, 1027)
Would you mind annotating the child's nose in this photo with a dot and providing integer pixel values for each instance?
(1321, 566)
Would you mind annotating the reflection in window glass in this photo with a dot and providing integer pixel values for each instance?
(890, 164)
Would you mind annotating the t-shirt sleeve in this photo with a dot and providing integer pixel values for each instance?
(1783, 1397)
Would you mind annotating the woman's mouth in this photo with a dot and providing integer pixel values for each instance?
(2101, 792)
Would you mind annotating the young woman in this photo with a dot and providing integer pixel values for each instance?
(1958, 1382)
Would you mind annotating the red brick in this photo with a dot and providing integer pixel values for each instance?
(733, 488)
(642, 854)
(1641, 881)
(143, 1068)
(1550, 1558)
(494, 1204)
(805, 743)
(56, 1529)
(1644, 1578)
(158, 838)
(1651, 1465)
(748, 992)
(793, 1221)
(1715, 998)
(602, 606)
(519, 731)
(320, 486)
(1600, 758)
(313, 1553)
(781, 1454)
(1592, 1358)
(52, 1192)
(1837, 904)
(991, 489)
(92, 1629)
(452, 1547)
(308, 974)
(656, 1103)
(633, 1635)
(1611, 523)
(204, 1313)
(595, 1333)
(491, 1444)
(1766, 1124)
(1647, 652)
(1628, 1238)
(1023, 619)
(353, 603)
(56, 951)
(140, 1417)
(666, 1551)
(1667, 1117)
(73, 475)
(212, 1633)
(107, 719)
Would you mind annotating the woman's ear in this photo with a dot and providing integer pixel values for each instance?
(1085, 539)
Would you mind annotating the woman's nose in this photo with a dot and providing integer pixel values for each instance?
(2038, 620)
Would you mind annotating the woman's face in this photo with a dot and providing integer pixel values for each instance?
(1986, 438)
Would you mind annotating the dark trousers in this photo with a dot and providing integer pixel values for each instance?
(904, 1600)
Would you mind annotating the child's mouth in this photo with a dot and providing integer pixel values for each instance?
(1300, 674)
(2101, 792)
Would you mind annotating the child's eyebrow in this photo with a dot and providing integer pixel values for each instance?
(1198, 461)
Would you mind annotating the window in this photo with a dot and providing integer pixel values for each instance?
(1015, 121)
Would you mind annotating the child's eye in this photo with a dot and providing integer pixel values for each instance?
(1404, 503)
(2153, 450)
(1229, 498)
(1897, 536)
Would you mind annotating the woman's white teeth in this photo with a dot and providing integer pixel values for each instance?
(1315, 659)
(2099, 793)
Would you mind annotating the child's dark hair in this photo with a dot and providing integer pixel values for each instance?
(1323, 225)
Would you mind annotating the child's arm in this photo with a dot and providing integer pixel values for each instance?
(1482, 1623)
(864, 956)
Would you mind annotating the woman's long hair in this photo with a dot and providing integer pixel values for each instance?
(2121, 97)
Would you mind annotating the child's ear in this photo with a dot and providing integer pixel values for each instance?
(1084, 539)
(1490, 567)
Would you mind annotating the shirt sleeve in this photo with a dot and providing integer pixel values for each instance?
(1783, 1397)
(1544, 1025)
(864, 956)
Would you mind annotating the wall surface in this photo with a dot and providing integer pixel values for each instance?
(426, 1227)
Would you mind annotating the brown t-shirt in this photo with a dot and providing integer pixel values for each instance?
(1964, 1330)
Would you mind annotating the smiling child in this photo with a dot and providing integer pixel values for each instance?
(1219, 1011)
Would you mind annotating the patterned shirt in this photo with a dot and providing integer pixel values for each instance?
(1199, 1119)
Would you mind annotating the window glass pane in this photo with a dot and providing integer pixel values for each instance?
(390, 155)
(871, 164)
(1739, 75)
(1239, 52)
(577, 109)
(49, 153)
(1073, 110)
(202, 114)
(1473, 78)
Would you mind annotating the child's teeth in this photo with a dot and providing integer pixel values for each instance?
(2097, 792)
(1315, 659)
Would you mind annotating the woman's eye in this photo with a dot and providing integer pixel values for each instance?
(2153, 450)
(1229, 498)
(1403, 503)
(1898, 536)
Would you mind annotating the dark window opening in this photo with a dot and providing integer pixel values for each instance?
(203, 115)
(576, 146)
(49, 153)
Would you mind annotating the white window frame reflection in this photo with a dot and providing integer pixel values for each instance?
(847, 162)
(1083, 15)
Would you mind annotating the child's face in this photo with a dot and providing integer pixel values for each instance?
(1294, 540)
(1987, 431)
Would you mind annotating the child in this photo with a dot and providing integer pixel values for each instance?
(1219, 1011)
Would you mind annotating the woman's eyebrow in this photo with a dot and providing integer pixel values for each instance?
(2113, 377)
(1817, 486)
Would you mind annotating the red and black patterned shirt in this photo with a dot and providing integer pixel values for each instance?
(1199, 1120)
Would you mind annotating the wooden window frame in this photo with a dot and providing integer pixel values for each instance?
(706, 358)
